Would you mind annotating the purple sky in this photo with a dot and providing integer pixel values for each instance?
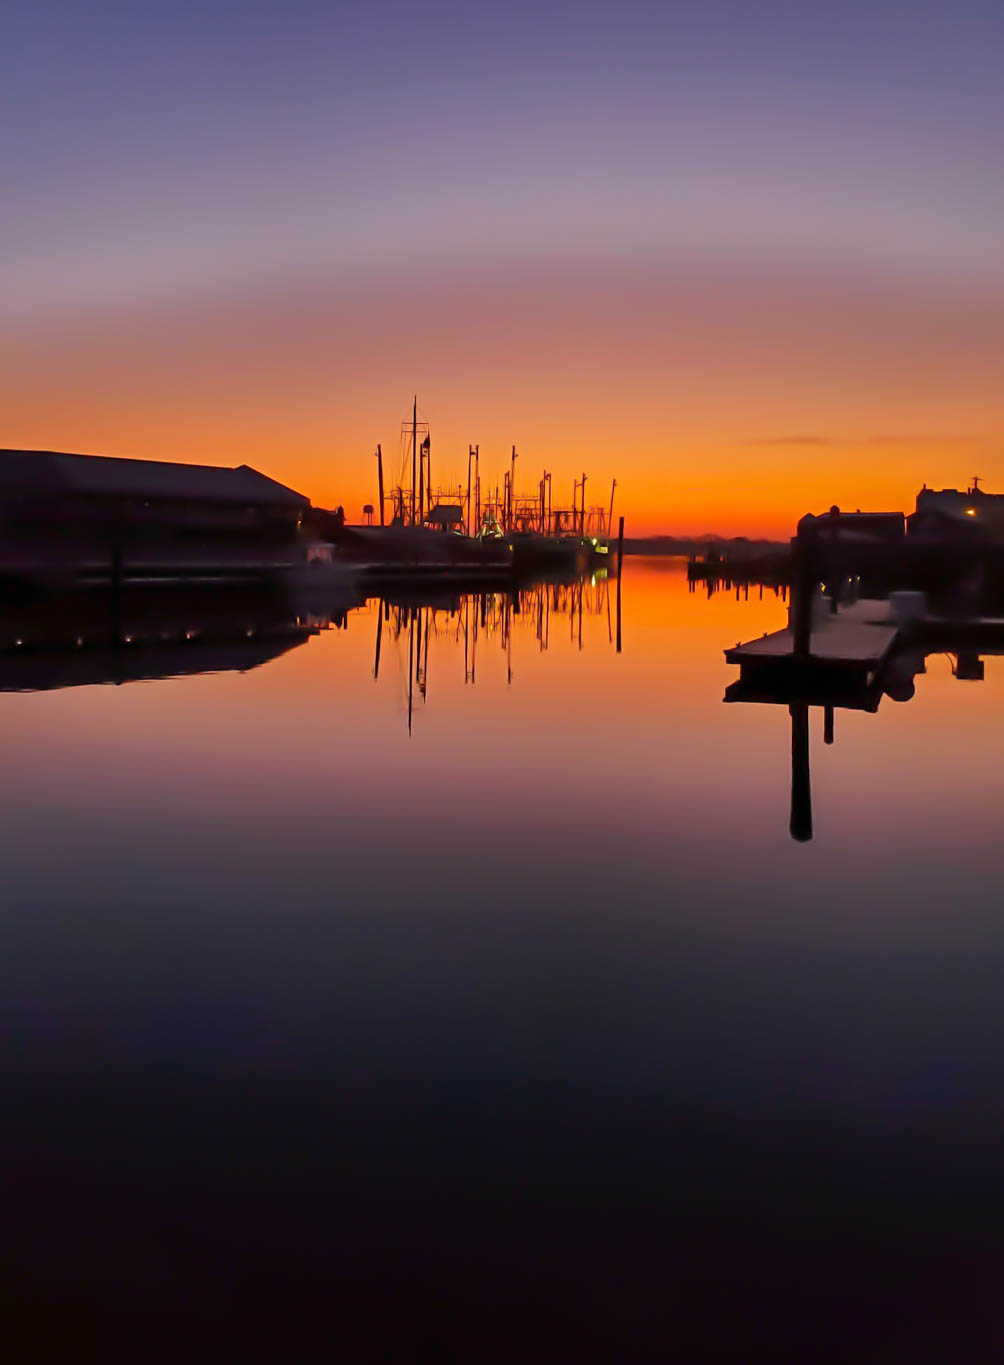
(669, 241)
(155, 148)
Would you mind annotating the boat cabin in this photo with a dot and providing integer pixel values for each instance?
(445, 516)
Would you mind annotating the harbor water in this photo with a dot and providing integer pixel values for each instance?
(488, 1001)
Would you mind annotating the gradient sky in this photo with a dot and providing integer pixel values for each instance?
(745, 256)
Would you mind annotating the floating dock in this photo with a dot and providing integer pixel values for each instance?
(847, 651)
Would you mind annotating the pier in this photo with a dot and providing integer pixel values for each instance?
(843, 657)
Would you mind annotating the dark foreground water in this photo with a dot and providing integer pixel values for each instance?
(529, 1036)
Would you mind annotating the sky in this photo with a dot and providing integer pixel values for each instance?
(743, 257)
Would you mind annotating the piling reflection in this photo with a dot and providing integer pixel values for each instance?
(965, 644)
(716, 576)
(90, 637)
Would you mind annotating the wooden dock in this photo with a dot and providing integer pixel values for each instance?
(846, 653)
(860, 634)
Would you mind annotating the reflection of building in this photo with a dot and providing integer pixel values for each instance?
(79, 638)
(92, 516)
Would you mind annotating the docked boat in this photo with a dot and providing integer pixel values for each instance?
(322, 565)
(456, 532)
(534, 552)
(388, 552)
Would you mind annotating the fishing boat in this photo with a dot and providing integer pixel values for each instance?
(428, 536)
(389, 552)
(455, 532)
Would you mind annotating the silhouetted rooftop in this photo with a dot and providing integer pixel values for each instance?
(445, 514)
(53, 471)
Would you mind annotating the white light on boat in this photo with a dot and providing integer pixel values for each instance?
(970, 511)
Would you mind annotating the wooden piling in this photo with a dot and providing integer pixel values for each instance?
(803, 585)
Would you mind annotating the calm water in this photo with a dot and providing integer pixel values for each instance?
(533, 1026)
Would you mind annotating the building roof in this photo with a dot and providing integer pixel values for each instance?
(445, 514)
(54, 471)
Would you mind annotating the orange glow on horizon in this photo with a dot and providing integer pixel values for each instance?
(728, 406)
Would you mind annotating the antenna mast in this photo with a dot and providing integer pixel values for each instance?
(414, 454)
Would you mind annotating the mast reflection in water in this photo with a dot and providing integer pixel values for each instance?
(534, 1028)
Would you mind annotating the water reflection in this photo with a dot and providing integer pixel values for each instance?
(312, 1026)
(858, 682)
(485, 620)
(93, 637)
(87, 637)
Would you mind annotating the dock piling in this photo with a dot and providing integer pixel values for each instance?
(803, 587)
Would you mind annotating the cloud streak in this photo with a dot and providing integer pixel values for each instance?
(932, 439)
(789, 441)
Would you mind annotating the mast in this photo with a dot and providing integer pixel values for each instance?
(610, 518)
(411, 661)
(379, 454)
(414, 454)
(512, 488)
(470, 457)
(477, 489)
(421, 484)
(582, 519)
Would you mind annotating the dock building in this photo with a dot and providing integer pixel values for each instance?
(92, 516)
(950, 514)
